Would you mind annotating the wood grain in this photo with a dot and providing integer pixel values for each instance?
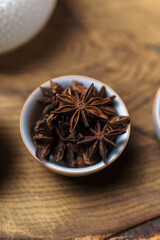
(149, 230)
(117, 42)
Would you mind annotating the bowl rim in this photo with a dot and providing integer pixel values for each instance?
(155, 112)
(63, 172)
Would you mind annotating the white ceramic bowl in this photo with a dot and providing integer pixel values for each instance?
(31, 112)
(20, 20)
(156, 113)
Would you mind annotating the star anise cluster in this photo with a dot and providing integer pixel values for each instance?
(78, 126)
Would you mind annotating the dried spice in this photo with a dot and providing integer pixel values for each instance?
(78, 87)
(42, 139)
(118, 122)
(82, 105)
(99, 140)
(49, 98)
(78, 126)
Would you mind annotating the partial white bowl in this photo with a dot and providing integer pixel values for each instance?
(156, 113)
(21, 20)
(31, 112)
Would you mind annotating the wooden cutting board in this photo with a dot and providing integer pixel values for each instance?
(117, 42)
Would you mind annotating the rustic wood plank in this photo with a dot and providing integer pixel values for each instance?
(149, 230)
(146, 231)
(116, 42)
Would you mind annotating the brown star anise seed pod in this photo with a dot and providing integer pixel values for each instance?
(105, 107)
(41, 127)
(42, 139)
(99, 139)
(81, 105)
(51, 120)
(102, 93)
(49, 99)
(119, 122)
(55, 87)
(79, 87)
(80, 161)
(67, 91)
(91, 160)
(64, 143)
(70, 158)
(108, 110)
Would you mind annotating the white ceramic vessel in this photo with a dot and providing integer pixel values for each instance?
(31, 112)
(156, 113)
(20, 20)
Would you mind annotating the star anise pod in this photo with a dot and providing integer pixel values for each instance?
(81, 106)
(66, 146)
(107, 109)
(49, 99)
(51, 120)
(42, 139)
(79, 87)
(99, 140)
(95, 158)
(70, 158)
(80, 161)
(102, 93)
(67, 91)
(119, 122)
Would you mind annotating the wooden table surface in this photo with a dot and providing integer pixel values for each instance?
(117, 42)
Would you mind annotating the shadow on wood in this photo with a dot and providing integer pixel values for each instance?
(6, 163)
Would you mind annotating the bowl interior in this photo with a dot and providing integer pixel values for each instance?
(31, 113)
